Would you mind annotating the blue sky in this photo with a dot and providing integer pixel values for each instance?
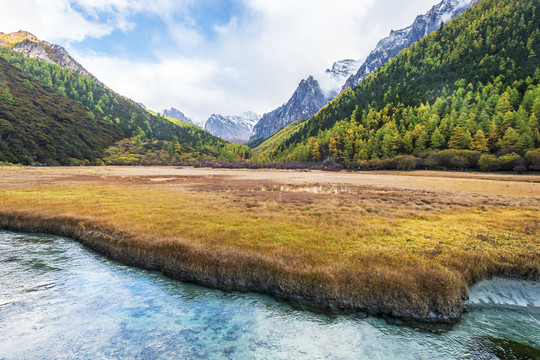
(210, 56)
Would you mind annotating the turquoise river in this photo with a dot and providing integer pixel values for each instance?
(60, 300)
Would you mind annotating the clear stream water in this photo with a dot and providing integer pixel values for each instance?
(59, 300)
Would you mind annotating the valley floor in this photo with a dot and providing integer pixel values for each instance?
(405, 245)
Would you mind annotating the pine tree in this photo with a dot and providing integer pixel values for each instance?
(504, 105)
(479, 142)
(493, 135)
(7, 97)
(421, 141)
(313, 149)
(526, 140)
(508, 121)
(460, 139)
(407, 143)
(386, 145)
(510, 139)
(437, 140)
(535, 128)
(332, 147)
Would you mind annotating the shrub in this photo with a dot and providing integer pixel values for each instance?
(489, 162)
(405, 162)
(509, 161)
(533, 159)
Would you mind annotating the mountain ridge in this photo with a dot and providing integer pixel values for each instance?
(30, 46)
(304, 103)
(457, 99)
(347, 73)
(398, 40)
(234, 128)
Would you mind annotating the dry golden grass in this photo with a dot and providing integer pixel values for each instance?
(387, 243)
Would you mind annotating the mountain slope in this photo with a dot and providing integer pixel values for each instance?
(30, 46)
(305, 102)
(127, 117)
(38, 125)
(423, 25)
(480, 72)
(348, 73)
(236, 129)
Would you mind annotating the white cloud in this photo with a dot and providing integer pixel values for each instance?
(49, 19)
(253, 62)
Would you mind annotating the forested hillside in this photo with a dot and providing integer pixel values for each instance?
(470, 88)
(38, 125)
(129, 120)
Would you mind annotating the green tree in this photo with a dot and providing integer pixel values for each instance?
(332, 147)
(313, 149)
(479, 142)
(460, 139)
(437, 139)
(421, 141)
(535, 128)
(27, 84)
(504, 105)
(510, 139)
(7, 97)
(508, 121)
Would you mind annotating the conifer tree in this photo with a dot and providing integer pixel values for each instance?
(510, 139)
(7, 97)
(460, 139)
(437, 140)
(479, 142)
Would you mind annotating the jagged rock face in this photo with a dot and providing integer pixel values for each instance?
(177, 114)
(30, 46)
(232, 128)
(305, 102)
(341, 70)
(334, 78)
(423, 25)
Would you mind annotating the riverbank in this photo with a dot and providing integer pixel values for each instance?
(386, 244)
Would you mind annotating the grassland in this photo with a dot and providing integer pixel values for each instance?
(400, 244)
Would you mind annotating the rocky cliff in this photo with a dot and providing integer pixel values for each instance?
(398, 40)
(232, 128)
(177, 114)
(305, 102)
(30, 46)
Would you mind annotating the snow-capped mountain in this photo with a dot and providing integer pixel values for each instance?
(177, 114)
(309, 97)
(398, 40)
(30, 46)
(305, 102)
(232, 128)
(334, 78)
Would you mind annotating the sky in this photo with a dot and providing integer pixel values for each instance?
(210, 56)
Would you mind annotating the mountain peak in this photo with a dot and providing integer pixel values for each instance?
(398, 40)
(177, 114)
(14, 38)
(232, 128)
(30, 46)
(305, 102)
